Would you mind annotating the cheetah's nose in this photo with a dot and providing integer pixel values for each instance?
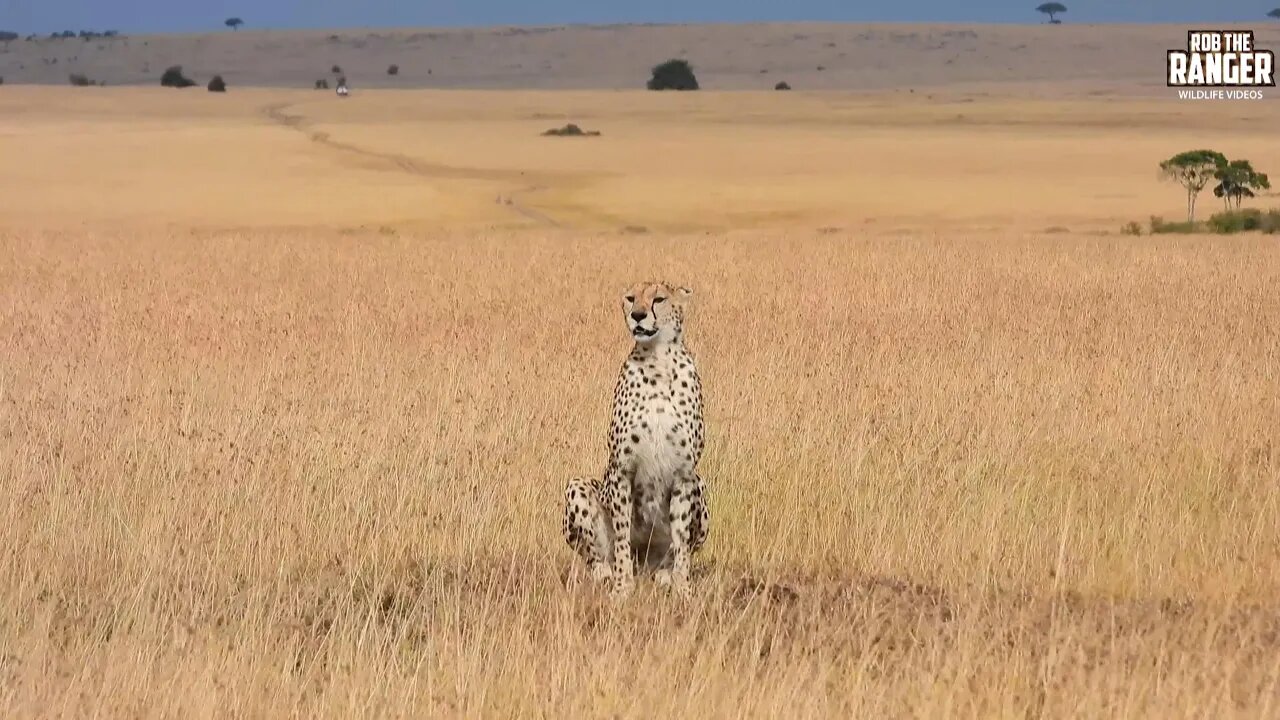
(638, 315)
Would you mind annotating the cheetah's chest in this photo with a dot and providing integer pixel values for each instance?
(661, 423)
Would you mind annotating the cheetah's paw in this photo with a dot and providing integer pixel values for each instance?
(601, 572)
(621, 591)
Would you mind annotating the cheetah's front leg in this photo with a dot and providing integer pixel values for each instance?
(618, 489)
(687, 530)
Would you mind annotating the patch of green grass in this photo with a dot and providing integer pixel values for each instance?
(1160, 227)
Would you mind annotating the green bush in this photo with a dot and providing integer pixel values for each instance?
(1131, 228)
(174, 78)
(1160, 227)
(1234, 221)
(673, 75)
(1223, 223)
(1246, 220)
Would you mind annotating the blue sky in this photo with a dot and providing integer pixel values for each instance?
(44, 16)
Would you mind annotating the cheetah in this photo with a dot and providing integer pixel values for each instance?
(649, 509)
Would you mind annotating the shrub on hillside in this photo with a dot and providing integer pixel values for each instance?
(217, 84)
(782, 86)
(322, 84)
(571, 130)
(393, 70)
(673, 74)
(79, 80)
(1160, 227)
(1246, 220)
(174, 78)
(336, 70)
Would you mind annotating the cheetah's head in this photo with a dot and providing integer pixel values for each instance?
(655, 311)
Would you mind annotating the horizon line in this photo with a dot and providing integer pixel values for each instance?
(220, 28)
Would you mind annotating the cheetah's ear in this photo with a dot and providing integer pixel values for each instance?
(684, 292)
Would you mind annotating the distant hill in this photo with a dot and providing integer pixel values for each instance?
(734, 57)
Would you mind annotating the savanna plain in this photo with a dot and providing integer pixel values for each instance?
(290, 387)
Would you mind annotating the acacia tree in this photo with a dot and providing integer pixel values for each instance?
(1051, 9)
(1193, 170)
(234, 23)
(1274, 14)
(1238, 180)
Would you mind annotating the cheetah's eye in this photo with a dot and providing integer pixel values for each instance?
(658, 300)
(630, 298)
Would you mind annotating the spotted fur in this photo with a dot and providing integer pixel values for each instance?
(650, 508)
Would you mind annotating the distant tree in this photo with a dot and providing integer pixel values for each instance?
(393, 70)
(79, 80)
(7, 37)
(1052, 9)
(174, 78)
(322, 84)
(336, 70)
(1238, 180)
(1193, 170)
(234, 23)
(673, 75)
(782, 86)
(1274, 14)
(217, 84)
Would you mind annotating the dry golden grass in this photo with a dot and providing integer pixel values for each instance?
(670, 162)
(316, 472)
